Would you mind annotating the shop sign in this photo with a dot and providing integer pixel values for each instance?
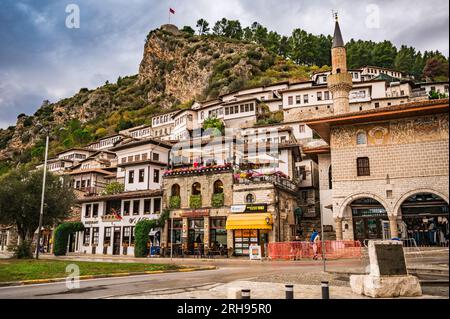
(91, 222)
(250, 208)
(195, 213)
(255, 252)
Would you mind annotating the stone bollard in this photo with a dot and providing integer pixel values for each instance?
(289, 291)
(325, 290)
(245, 294)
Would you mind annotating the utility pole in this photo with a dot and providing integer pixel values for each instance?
(41, 215)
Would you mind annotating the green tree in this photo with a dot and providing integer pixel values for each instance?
(20, 201)
(213, 124)
(384, 54)
(113, 188)
(436, 69)
(405, 59)
(187, 29)
(203, 26)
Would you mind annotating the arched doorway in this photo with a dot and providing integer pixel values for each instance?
(370, 219)
(425, 218)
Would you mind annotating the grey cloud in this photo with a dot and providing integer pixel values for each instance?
(41, 59)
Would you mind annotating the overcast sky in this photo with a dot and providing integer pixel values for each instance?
(40, 58)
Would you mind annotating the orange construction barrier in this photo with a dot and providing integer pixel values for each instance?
(334, 249)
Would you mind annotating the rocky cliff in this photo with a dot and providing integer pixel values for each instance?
(176, 69)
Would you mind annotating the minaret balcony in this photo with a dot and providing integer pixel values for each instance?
(340, 81)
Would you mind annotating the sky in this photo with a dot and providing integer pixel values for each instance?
(42, 58)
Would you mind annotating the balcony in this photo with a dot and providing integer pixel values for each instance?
(198, 170)
(277, 178)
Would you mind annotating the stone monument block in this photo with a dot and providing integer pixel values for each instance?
(388, 275)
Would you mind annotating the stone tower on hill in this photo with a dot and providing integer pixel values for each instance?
(340, 81)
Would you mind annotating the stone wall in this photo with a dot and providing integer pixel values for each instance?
(407, 156)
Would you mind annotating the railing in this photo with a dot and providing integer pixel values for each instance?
(273, 179)
(334, 249)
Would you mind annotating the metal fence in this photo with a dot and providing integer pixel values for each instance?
(334, 249)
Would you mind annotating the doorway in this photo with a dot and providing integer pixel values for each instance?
(116, 241)
(368, 219)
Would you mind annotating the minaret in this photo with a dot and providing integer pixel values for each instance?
(340, 81)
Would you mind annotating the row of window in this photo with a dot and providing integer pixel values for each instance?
(243, 108)
(321, 96)
(141, 176)
(196, 188)
(140, 157)
(130, 207)
(91, 236)
(74, 156)
(81, 183)
(162, 119)
(133, 207)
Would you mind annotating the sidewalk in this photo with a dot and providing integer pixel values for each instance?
(259, 290)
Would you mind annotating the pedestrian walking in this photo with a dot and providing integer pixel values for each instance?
(314, 239)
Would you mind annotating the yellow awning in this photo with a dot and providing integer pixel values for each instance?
(250, 221)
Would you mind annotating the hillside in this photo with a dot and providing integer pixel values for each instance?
(176, 69)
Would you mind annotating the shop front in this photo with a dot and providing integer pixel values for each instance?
(251, 225)
(425, 220)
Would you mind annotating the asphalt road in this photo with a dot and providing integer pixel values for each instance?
(122, 286)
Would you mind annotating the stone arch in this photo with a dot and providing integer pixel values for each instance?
(354, 197)
(405, 196)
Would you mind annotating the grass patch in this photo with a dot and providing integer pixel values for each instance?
(18, 270)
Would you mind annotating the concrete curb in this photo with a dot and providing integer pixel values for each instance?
(85, 277)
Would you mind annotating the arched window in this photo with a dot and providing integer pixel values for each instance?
(361, 138)
(175, 190)
(330, 179)
(218, 187)
(196, 189)
(250, 199)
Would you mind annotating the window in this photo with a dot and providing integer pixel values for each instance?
(126, 235)
(156, 205)
(330, 179)
(361, 138)
(305, 98)
(137, 158)
(247, 108)
(132, 236)
(252, 107)
(290, 100)
(87, 211)
(196, 189)
(242, 107)
(95, 210)
(319, 96)
(326, 95)
(302, 172)
(363, 168)
(301, 128)
(126, 208)
(130, 158)
(304, 195)
(77, 184)
(87, 236)
(141, 175)
(147, 206)
(130, 177)
(298, 99)
(107, 238)
(83, 184)
(402, 93)
(144, 156)
(175, 190)
(250, 198)
(95, 233)
(218, 187)
(155, 157)
(227, 111)
(377, 105)
(236, 109)
(156, 176)
(136, 204)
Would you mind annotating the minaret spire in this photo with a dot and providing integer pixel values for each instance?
(340, 81)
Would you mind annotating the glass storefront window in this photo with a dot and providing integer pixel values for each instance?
(243, 238)
(218, 233)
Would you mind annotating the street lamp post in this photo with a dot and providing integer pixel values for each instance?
(41, 214)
